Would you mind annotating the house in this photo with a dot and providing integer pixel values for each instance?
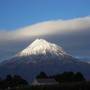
(46, 81)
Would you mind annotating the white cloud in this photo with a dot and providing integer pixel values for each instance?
(55, 26)
(47, 28)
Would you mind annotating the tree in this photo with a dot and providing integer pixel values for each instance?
(69, 77)
(8, 81)
(8, 77)
(79, 77)
(41, 75)
(18, 80)
(14, 81)
(65, 77)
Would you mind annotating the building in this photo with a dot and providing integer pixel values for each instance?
(45, 81)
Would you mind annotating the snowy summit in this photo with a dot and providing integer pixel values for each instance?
(41, 46)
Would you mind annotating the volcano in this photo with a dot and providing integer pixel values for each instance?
(39, 56)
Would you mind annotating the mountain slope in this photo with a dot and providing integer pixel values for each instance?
(42, 55)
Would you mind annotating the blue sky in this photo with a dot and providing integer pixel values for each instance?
(19, 13)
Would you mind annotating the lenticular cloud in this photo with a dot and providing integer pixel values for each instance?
(48, 28)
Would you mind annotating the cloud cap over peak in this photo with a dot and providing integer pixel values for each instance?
(48, 28)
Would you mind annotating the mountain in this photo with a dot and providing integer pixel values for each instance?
(41, 50)
(42, 55)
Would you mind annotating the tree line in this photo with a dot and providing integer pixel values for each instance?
(64, 77)
(12, 81)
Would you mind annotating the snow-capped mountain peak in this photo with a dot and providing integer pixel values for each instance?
(41, 46)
